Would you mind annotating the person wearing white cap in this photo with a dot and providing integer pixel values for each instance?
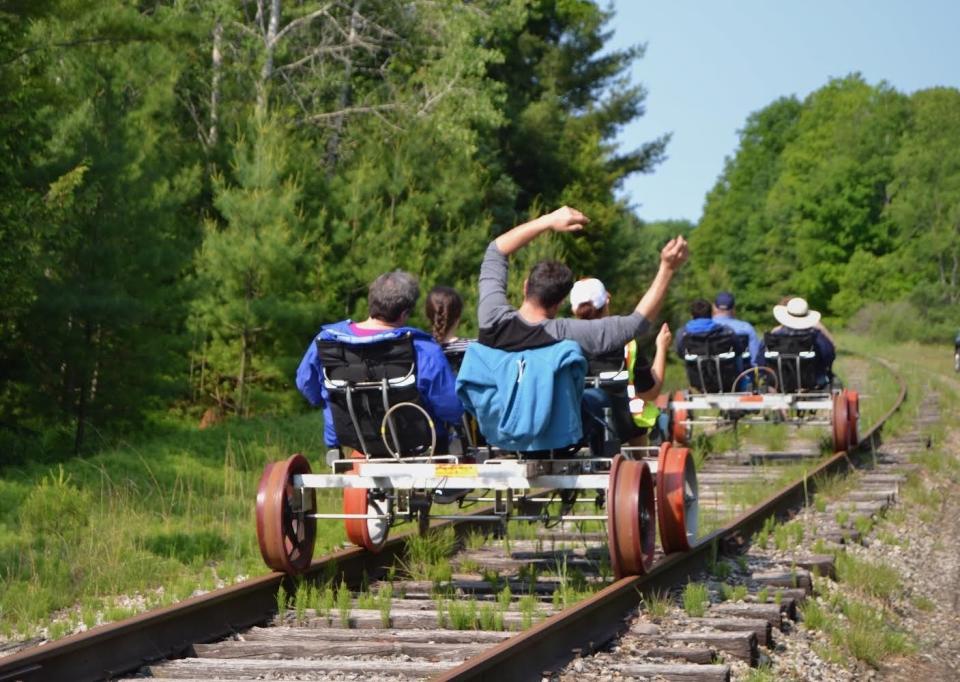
(634, 412)
(796, 318)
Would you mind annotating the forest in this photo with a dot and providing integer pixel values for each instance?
(189, 189)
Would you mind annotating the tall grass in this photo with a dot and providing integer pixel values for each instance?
(141, 524)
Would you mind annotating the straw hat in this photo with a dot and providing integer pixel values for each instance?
(796, 314)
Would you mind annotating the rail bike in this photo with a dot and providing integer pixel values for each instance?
(784, 390)
(391, 471)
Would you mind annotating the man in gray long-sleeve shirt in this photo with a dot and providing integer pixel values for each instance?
(535, 323)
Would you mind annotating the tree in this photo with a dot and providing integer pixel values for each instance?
(250, 297)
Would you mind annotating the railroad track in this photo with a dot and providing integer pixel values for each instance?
(410, 633)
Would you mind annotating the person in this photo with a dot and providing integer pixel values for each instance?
(535, 323)
(701, 322)
(724, 312)
(390, 300)
(444, 308)
(635, 412)
(796, 318)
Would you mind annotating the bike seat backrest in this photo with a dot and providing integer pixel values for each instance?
(608, 371)
(364, 381)
(712, 360)
(794, 358)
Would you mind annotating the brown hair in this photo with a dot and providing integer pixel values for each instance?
(443, 307)
(587, 311)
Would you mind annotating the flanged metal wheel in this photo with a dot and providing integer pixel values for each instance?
(680, 431)
(841, 422)
(285, 533)
(631, 533)
(677, 499)
(853, 416)
(371, 533)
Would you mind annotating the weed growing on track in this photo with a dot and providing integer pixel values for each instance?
(282, 599)
(529, 610)
(462, 615)
(867, 577)
(344, 603)
(763, 594)
(385, 603)
(762, 673)
(427, 556)
(696, 599)
(657, 603)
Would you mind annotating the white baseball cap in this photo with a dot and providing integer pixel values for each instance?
(590, 290)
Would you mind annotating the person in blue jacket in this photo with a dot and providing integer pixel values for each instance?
(701, 322)
(390, 300)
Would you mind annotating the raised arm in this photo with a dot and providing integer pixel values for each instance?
(659, 366)
(672, 256)
(564, 219)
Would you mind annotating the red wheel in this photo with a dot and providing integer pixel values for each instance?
(631, 533)
(285, 533)
(853, 416)
(680, 431)
(371, 534)
(677, 499)
(841, 422)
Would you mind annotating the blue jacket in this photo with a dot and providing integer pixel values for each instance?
(525, 400)
(435, 379)
(698, 325)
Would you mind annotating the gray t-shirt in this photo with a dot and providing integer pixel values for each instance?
(502, 327)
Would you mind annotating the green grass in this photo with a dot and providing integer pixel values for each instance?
(696, 599)
(867, 577)
(154, 519)
(428, 556)
(657, 603)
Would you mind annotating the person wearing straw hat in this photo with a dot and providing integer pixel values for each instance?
(796, 319)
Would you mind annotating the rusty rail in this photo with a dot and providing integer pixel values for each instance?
(594, 621)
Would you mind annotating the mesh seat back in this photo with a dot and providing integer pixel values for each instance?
(364, 381)
(794, 358)
(712, 360)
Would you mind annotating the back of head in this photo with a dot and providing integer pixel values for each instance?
(724, 303)
(589, 298)
(700, 308)
(444, 306)
(587, 311)
(549, 283)
(391, 295)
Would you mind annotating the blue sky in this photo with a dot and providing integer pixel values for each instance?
(708, 65)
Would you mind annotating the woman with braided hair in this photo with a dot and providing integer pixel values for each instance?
(444, 306)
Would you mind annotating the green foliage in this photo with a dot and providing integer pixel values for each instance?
(696, 599)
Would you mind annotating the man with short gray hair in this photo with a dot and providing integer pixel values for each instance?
(391, 298)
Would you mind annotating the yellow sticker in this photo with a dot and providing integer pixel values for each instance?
(455, 470)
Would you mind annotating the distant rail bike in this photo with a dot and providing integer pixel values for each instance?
(784, 390)
(390, 473)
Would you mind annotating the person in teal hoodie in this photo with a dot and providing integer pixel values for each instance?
(525, 400)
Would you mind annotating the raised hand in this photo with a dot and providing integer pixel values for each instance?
(567, 219)
(675, 253)
(664, 337)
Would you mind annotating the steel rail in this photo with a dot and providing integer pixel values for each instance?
(122, 647)
(592, 622)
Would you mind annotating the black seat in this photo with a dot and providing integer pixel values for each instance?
(712, 360)
(365, 380)
(608, 370)
(794, 358)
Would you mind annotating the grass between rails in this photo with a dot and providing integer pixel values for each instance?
(141, 525)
